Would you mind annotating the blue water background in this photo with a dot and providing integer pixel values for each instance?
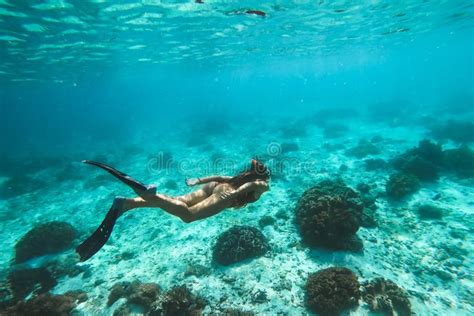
(434, 70)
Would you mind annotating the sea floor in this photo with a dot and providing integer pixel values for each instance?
(431, 259)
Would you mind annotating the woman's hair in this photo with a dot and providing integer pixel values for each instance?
(257, 171)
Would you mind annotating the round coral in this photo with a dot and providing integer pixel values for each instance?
(137, 293)
(385, 296)
(330, 291)
(179, 301)
(399, 185)
(239, 243)
(44, 239)
(329, 215)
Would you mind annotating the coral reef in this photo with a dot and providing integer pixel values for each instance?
(117, 291)
(368, 219)
(232, 312)
(343, 168)
(332, 290)
(259, 296)
(368, 200)
(141, 294)
(24, 281)
(293, 129)
(13, 164)
(422, 161)
(457, 131)
(178, 301)
(421, 168)
(429, 211)
(329, 215)
(375, 164)
(6, 295)
(239, 243)
(333, 146)
(376, 139)
(385, 296)
(427, 159)
(460, 161)
(400, 185)
(334, 130)
(363, 148)
(44, 304)
(429, 151)
(44, 239)
(79, 296)
(123, 310)
(370, 209)
(20, 184)
(363, 188)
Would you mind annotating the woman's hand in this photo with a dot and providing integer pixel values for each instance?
(192, 182)
(226, 195)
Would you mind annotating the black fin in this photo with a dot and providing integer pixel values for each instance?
(139, 188)
(98, 239)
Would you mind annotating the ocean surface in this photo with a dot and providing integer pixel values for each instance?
(363, 111)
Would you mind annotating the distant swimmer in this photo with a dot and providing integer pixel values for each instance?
(256, 12)
(217, 194)
(247, 12)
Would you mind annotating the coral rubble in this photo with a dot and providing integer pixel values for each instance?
(385, 296)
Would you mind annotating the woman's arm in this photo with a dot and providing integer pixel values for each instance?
(196, 181)
(254, 186)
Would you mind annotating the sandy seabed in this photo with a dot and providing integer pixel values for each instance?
(431, 259)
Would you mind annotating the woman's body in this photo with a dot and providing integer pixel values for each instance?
(209, 200)
(217, 194)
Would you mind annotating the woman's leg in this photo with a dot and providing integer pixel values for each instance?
(170, 205)
(97, 240)
(209, 206)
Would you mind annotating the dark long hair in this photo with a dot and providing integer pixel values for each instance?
(257, 171)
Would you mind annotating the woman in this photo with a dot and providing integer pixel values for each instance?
(217, 194)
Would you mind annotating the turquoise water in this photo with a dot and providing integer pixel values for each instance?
(169, 90)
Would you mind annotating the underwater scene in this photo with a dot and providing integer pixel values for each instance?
(238, 158)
